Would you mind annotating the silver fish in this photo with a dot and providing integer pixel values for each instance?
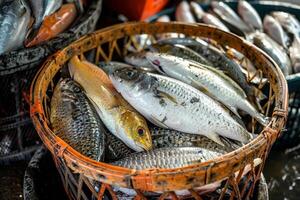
(139, 60)
(110, 67)
(14, 24)
(74, 120)
(275, 51)
(183, 13)
(275, 31)
(51, 6)
(166, 158)
(211, 19)
(294, 52)
(172, 104)
(219, 60)
(249, 15)
(288, 21)
(208, 80)
(197, 10)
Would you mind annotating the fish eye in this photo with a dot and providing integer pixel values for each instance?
(141, 131)
(130, 74)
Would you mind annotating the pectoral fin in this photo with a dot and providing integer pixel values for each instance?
(167, 96)
(216, 138)
(157, 122)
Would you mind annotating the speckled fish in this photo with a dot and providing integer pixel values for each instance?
(275, 51)
(249, 15)
(172, 104)
(54, 24)
(294, 52)
(183, 13)
(275, 31)
(43, 8)
(14, 24)
(167, 158)
(74, 120)
(116, 149)
(208, 80)
(288, 21)
(117, 115)
(197, 10)
(219, 60)
(212, 20)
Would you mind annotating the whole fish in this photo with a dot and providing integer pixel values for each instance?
(14, 24)
(183, 13)
(275, 51)
(139, 60)
(172, 104)
(249, 15)
(211, 19)
(54, 24)
(75, 120)
(288, 21)
(166, 158)
(275, 31)
(117, 115)
(197, 10)
(43, 8)
(220, 61)
(208, 80)
(294, 52)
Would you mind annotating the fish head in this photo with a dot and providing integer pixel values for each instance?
(157, 60)
(137, 58)
(135, 130)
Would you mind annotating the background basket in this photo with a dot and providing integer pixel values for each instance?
(17, 69)
(84, 178)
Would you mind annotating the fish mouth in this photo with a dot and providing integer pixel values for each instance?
(154, 62)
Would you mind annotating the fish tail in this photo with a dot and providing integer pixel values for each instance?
(263, 120)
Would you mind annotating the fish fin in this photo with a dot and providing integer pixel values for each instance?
(234, 110)
(200, 87)
(157, 122)
(162, 94)
(215, 137)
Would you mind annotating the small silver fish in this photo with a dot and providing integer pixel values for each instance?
(139, 60)
(288, 21)
(275, 31)
(167, 158)
(249, 15)
(183, 13)
(211, 19)
(14, 24)
(75, 121)
(294, 52)
(197, 10)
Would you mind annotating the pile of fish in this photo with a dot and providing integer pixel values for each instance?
(177, 102)
(278, 34)
(26, 23)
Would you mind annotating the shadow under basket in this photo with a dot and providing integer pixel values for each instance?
(18, 138)
(236, 173)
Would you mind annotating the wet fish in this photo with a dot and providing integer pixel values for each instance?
(54, 24)
(117, 115)
(274, 51)
(14, 24)
(110, 67)
(183, 13)
(166, 158)
(139, 60)
(208, 80)
(275, 31)
(197, 10)
(288, 21)
(249, 15)
(75, 121)
(220, 61)
(294, 52)
(172, 104)
(43, 8)
(211, 19)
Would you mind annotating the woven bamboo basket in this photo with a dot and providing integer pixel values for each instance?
(17, 69)
(80, 174)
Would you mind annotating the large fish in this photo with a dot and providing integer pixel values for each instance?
(208, 80)
(275, 31)
(43, 8)
(183, 13)
(54, 24)
(118, 116)
(167, 158)
(288, 21)
(275, 51)
(172, 104)
(14, 24)
(74, 119)
(249, 15)
(219, 60)
(294, 52)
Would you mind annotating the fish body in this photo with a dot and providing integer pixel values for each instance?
(110, 67)
(294, 52)
(288, 21)
(208, 80)
(117, 115)
(212, 20)
(249, 15)
(166, 158)
(75, 121)
(197, 10)
(275, 31)
(139, 60)
(172, 104)
(183, 13)
(274, 51)
(219, 60)
(54, 24)
(14, 24)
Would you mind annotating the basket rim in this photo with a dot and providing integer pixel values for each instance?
(130, 177)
